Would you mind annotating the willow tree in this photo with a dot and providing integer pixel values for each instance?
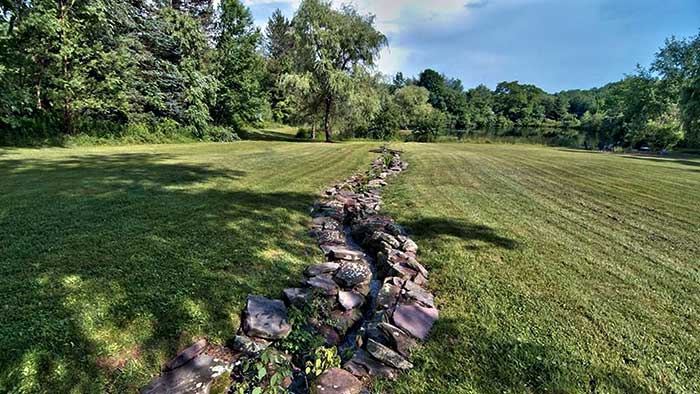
(333, 48)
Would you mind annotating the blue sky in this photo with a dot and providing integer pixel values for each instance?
(555, 44)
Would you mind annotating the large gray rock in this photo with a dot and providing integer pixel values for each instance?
(352, 273)
(388, 295)
(336, 381)
(266, 318)
(415, 319)
(387, 355)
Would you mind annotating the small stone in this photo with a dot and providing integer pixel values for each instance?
(266, 318)
(352, 273)
(297, 296)
(380, 236)
(342, 253)
(417, 293)
(329, 334)
(350, 299)
(398, 339)
(336, 381)
(324, 283)
(409, 246)
(344, 320)
(363, 288)
(362, 364)
(387, 295)
(387, 356)
(323, 268)
(244, 344)
(415, 319)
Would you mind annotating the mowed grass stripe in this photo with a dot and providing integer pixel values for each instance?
(581, 302)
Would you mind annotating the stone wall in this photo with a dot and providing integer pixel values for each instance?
(373, 290)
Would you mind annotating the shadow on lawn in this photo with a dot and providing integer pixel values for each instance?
(269, 135)
(665, 160)
(431, 228)
(132, 251)
(500, 363)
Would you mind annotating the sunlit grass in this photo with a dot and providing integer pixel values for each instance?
(113, 258)
(555, 270)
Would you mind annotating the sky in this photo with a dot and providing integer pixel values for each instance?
(554, 44)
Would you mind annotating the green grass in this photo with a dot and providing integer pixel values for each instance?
(555, 270)
(112, 258)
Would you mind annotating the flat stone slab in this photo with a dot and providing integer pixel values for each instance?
(323, 268)
(342, 253)
(186, 355)
(194, 377)
(325, 283)
(336, 381)
(266, 318)
(362, 364)
(415, 319)
(387, 355)
(398, 339)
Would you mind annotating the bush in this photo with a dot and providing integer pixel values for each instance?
(219, 134)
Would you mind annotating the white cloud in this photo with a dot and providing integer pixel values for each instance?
(395, 16)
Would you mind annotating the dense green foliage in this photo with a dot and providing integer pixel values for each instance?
(199, 69)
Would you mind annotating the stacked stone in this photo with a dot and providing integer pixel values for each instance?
(362, 248)
(403, 311)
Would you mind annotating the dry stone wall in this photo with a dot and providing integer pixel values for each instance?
(375, 303)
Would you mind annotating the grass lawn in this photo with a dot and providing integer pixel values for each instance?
(558, 271)
(112, 258)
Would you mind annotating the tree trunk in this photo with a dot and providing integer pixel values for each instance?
(313, 129)
(327, 120)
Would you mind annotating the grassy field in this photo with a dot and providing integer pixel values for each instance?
(555, 271)
(112, 258)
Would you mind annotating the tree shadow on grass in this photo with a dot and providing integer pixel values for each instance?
(432, 228)
(491, 361)
(666, 160)
(269, 135)
(109, 258)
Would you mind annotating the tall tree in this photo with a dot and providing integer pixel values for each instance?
(332, 48)
(278, 51)
(240, 99)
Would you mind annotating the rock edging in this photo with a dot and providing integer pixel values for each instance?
(376, 305)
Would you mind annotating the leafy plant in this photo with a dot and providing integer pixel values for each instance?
(322, 359)
(262, 374)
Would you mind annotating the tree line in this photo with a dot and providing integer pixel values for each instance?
(163, 69)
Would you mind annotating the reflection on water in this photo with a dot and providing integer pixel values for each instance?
(552, 136)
